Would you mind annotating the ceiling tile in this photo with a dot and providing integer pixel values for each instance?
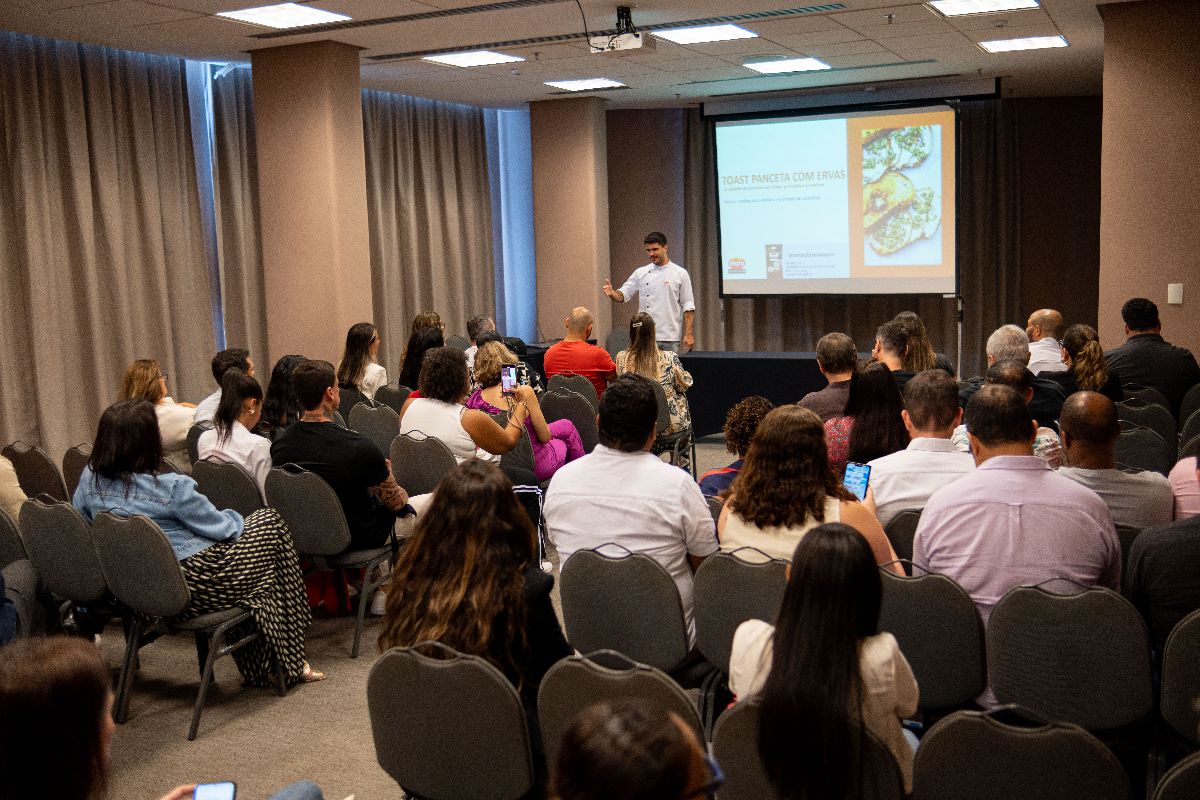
(901, 14)
(736, 47)
(803, 40)
(905, 29)
(801, 23)
(972, 22)
(845, 48)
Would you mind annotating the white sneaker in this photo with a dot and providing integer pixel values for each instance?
(378, 602)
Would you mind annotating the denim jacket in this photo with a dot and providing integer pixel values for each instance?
(189, 520)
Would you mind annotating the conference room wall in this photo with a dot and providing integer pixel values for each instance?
(1150, 165)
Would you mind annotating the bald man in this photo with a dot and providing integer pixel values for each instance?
(574, 354)
(1045, 328)
(1089, 436)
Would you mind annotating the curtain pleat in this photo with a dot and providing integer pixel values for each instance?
(103, 255)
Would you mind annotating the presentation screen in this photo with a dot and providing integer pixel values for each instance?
(858, 203)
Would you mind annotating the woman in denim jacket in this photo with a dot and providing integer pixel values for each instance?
(226, 560)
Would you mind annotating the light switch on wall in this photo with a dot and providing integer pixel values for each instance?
(1174, 294)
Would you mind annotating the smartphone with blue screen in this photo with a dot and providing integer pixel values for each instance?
(225, 790)
(508, 378)
(856, 479)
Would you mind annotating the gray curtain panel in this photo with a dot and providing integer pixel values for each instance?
(987, 245)
(429, 212)
(100, 239)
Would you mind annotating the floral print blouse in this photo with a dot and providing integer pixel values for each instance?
(674, 379)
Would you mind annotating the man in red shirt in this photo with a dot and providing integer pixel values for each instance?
(574, 354)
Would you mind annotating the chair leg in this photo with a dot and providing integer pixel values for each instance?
(211, 650)
(201, 651)
(364, 597)
(133, 637)
(280, 676)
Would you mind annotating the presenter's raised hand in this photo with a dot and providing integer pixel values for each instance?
(608, 290)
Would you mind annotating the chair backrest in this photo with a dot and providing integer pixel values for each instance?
(380, 424)
(59, 542)
(1190, 429)
(578, 384)
(339, 419)
(392, 396)
(1182, 782)
(227, 485)
(715, 506)
(1151, 415)
(731, 588)
(420, 463)
(1190, 447)
(939, 631)
(974, 755)
(1142, 448)
(36, 472)
(577, 682)
(627, 603)
(1126, 534)
(349, 398)
(193, 439)
(520, 457)
(12, 546)
(73, 462)
(616, 341)
(448, 727)
(1190, 404)
(900, 531)
(310, 508)
(1081, 658)
(1144, 395)
(458, 342)
(735, 746)
(664, 411)
(138, 564)
(563, 403)
(1180, 703)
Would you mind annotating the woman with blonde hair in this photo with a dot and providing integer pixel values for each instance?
(1086, 367)
(645, 358)
(358, 367)
(144, 379)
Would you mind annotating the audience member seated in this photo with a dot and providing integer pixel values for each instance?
(822, 668)
(921, 355)
(1013, 520)
(348, 461)
(646, 359)
(281, 408)
(907, 479)
(231, 440)
(1044, 328)
(871, 426)
(621, 493)
(1089, 433)
(1185, 488)
(476, 325)
(145, 380)
(427, 319)
(632, 751)
(740, 424)
(554, 443)
(358, 368)
(1164, 575)
(469, 578)
(574, 354)
(837, 358)
(787, 488)
(420, 342)
(11, 494)
(1148, 360)
(233, 358)
(56, 702)
(1085, 365)
(891, 347)
(1010, 343)
(228, 561)
(1046, 445)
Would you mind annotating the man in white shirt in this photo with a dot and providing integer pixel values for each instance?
(1045, 328)
(622, 494)
(664, 291)
(908, 479)
(222, 362)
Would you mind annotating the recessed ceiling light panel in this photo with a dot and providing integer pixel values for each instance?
(958, 8)
(705, 33)
(585, 84)
(474, 58)
(787, 65)
(1029, 43)
(284, 15)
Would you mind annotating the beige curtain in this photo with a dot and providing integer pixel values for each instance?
(239, 248)
(987, 244)
(429, 211)
(100, 238)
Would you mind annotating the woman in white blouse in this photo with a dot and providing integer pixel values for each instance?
(358, 367)
(230, 440)
(145, 379)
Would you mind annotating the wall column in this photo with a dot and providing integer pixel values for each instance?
(570, 211)
(312, 196)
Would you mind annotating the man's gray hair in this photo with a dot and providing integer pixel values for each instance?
(1008, 343)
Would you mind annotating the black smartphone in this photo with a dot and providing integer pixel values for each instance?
(225, 790)
(508, 378)
(856, 479)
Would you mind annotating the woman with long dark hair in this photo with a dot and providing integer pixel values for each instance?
(1086, 367)
(786, 488)
(822, 675)
(226, 560)
(281, 407)
(358, 368)
(420, 342)
(921, 355)
(871, 426)
(231, 440)
(663, 366)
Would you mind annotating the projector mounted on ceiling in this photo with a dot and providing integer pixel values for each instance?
(626, 36)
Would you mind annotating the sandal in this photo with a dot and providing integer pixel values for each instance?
(310, 675)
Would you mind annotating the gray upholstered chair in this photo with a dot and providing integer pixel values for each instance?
(420, 462)
(616, 341)
(36, 471)
(141, 570)
(565, 403)
(680, 444)
(1189, 430)
(1190, 404)
(448, 725)
(974, 755)
(380, 424)
(1145, 395)
(520, 457)
(731, 588)
(1144, 449)
(318, 526)
(578, 384)
(193, 439)
(59, 542)
(900, 531)
(339, 419)
(577, 682)
(939, 631)
(12, 546)
(349, 398)
(1182, 782)
(73, 462)
(392, 396)
(227, 485)
(715, 506)
(1150, 414)
(1180, 701)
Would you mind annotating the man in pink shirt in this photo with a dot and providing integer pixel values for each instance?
(575, 354)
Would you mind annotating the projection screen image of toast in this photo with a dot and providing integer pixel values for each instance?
(857, 203)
